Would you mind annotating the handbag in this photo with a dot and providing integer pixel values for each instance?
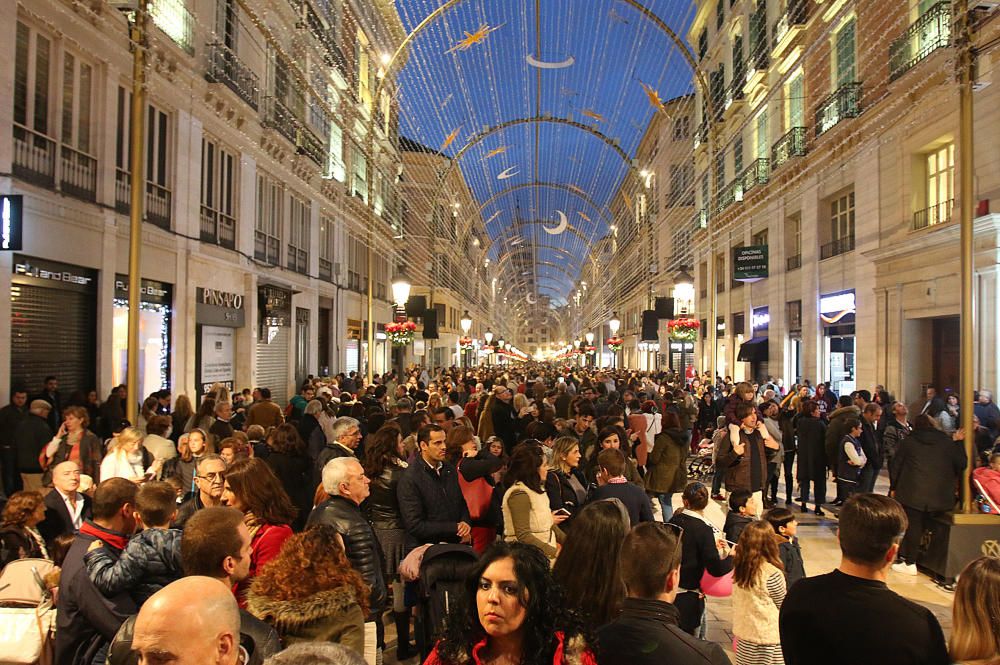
(478, 495)
(26, 634)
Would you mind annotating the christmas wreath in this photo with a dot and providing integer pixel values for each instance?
(615, 344)
(401, 333)
(683, 330)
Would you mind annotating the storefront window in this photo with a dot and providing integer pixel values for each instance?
(154, 345)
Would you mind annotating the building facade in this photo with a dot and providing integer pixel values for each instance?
(269, 170)
(828, 152)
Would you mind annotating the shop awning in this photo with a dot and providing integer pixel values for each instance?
(753, 350)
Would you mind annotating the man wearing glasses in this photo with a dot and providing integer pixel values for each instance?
(210, 477)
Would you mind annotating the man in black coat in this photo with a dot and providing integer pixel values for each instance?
(614, 485)
(647, 632)
(430, 499)
(86, 621)
(504, 418)
(50, 393)
(30, 437)
(10, 417)
(347, 485)
(66, 508)
(870, 444)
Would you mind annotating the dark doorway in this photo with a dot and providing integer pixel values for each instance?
(945, 352)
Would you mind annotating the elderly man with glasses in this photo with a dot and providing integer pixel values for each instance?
(210, 478)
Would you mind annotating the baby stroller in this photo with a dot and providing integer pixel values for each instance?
(27, 615)
(443, 574)
(702, 465)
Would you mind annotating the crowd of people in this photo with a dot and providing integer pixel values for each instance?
(304, 525)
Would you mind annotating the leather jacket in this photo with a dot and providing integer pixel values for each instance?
(382, 507)
(360, 544)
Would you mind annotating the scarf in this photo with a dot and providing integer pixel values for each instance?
(112, 538)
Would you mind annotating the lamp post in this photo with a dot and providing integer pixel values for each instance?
(488, 336)
(590, 342)
(500, 344)
(466, 323)
(614, 324)
(400, 294)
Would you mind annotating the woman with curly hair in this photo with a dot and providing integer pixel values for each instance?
(310, 593)
(512, 611)
(293, 468)
(19, 539)
(253, 489)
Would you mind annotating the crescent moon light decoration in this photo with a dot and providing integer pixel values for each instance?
(493, 216)
(530, 300)
(560, 227)
(507, 173)
(542, 64)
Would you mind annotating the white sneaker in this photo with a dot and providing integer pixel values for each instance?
(905, 568)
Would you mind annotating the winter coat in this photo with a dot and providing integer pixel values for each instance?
(151, 561)
(729, 410)
(926, 469)
(735, 523)
(16, 543)
(504, 423)
(332, 450)
(431, 504)
(360, 544)
(665, 472)
(561, 492)
(811, 433)
(646, 633)
(264, 546)
(327, 616)
(382, 505)
(791, 559)
(31, 437)
(295, 474)
(739, 472)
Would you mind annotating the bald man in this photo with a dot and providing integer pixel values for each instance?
(193, 621)
(66, 507)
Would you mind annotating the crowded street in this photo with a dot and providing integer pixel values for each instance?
(500, 332)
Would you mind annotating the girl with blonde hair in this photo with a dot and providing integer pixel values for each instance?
(758, 591)
(975, 628)
(127, 458)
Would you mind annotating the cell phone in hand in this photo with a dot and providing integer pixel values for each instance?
(561, 511)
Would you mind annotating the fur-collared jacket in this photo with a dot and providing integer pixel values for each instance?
(327, 616)
(573, 651)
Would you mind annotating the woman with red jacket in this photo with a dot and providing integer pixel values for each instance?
(512, 611)
(253, 489)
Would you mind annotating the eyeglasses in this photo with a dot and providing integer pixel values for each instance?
(212, 476)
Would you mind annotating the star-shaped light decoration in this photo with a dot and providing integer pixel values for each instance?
(473, 38)
(654, 97)
(448, 140)
(496, 151)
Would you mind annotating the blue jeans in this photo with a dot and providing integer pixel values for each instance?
(666, 505)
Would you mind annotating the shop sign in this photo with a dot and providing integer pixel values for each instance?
(219, 308)
(750, 263)
(760, 319)
(52, 271)
(217, 357)
(275, 306)
(151, 291)
(834, 307)
(11, 229)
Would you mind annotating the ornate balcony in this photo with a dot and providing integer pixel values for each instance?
(927, 34)
(218, 228)
(756, 174)
(844, 103)
(224, 67)
(791, 144)
(34, 157)
(837, 247)
(157, 202)
(788, 26)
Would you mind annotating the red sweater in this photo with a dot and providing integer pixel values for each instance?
(265, 546)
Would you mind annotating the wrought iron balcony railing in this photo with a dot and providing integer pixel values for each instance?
(837, 247)
(226, 68)
(927, 34)
(932, 215)
(791, 144)
(844, 103)
(757, 173)
(218, 228)
(795, 16)
(793, 262)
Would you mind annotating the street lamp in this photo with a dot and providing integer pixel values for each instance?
(488, 336)
(400, 289)
(466, 323)
(614, 324)
(590, 342)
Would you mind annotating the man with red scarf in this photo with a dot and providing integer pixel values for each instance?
(86, 620)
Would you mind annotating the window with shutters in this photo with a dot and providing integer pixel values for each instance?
(845, 57)
(795, 102)
(363, 69)
(218, 193)
(298, 234)
(763, 148)
(738, 155)
(359, 170)
(327, 248)
(335, 167)
(157, 161)
(77, 164)
(34, 156)
(270, 219)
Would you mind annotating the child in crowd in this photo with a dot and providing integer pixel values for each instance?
(785, 528)
(758, 592)
(988, 480)
(741, 512)
(851, 459)
(152, 558)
